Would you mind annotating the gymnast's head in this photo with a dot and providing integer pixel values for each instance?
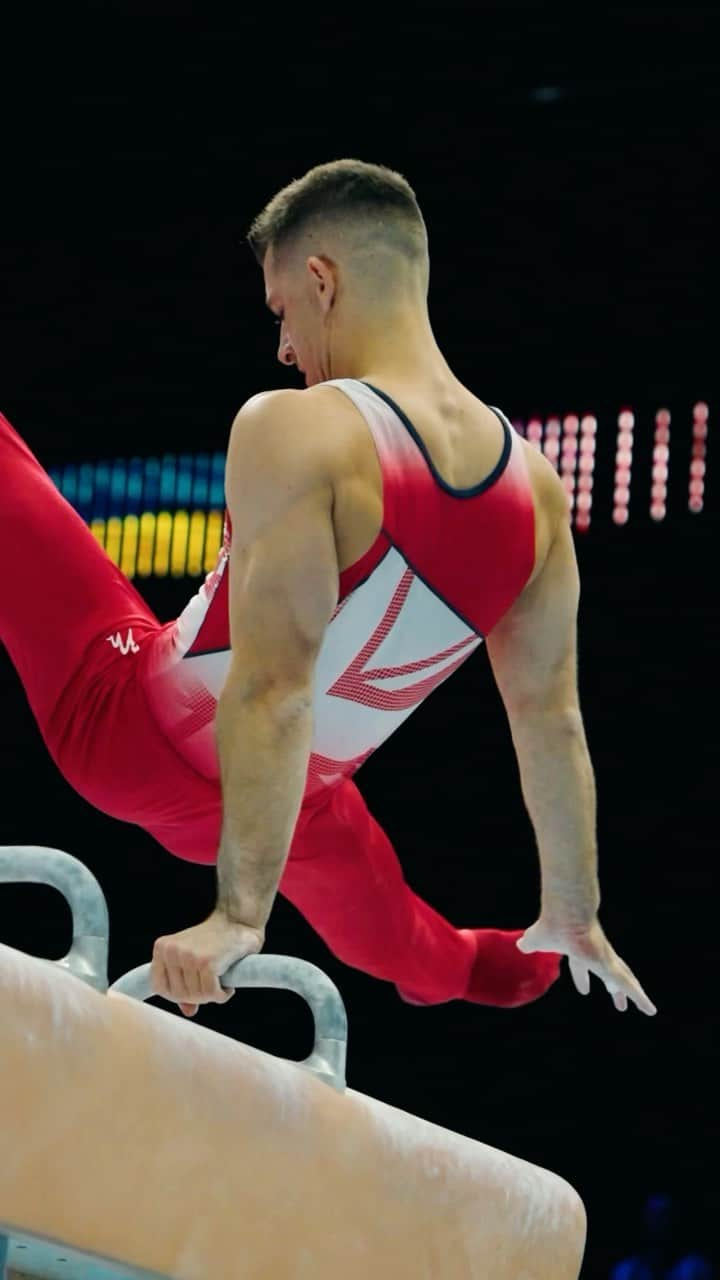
(344, 253)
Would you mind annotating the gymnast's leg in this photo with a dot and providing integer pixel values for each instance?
(59, 591)
(61, 599)
(343, 875)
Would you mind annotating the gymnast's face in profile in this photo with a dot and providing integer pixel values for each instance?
(300, 292)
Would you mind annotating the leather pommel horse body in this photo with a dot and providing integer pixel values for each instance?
(146, 1145)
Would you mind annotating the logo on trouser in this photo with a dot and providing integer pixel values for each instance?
(125, 646)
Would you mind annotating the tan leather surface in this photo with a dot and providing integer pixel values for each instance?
(133, 1133)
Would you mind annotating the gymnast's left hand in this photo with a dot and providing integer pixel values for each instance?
(186, 966)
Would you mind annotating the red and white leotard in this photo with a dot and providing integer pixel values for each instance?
(445, 567)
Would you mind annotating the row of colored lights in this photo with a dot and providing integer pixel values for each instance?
(117, 498)
(101, 490)
(660, 463)
(623, 468)
(170, 544)
(570, 446)
(698, 459)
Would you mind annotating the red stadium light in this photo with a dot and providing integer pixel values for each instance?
(568, 455)
(551, 444)
(660, 467)
(623, 466)
(698, 463)
(586, 467)
(535, 433)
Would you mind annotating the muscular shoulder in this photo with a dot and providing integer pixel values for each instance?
(546, 484)
(549, 500)
(292, 429)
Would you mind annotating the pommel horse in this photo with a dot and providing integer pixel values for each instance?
(138, 1144)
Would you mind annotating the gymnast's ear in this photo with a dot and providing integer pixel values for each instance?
(323, 280)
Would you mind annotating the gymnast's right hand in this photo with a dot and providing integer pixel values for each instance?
(588, 951)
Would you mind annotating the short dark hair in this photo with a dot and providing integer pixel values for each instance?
(343, 191)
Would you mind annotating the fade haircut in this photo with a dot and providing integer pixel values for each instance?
(376, 206)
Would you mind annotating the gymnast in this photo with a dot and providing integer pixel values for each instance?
(381, 523)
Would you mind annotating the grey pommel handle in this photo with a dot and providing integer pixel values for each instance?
(87, 958)
(286, 973)
(35, 864)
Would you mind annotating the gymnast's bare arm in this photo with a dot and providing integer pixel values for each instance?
(532, 652)
(533, 655)
(284, 586)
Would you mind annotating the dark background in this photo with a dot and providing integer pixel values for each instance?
(564, 165)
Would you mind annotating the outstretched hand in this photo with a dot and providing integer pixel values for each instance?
(588, 951)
